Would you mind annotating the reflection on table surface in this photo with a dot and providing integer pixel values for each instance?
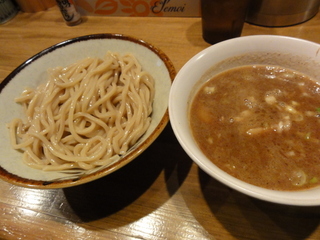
(160, 195)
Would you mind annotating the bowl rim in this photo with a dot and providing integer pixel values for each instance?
(40, 184)
(295, 198)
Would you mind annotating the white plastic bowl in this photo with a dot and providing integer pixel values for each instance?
(294, 53)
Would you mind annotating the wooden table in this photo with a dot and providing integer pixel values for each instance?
(160, 195)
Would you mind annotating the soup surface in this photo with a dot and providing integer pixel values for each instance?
(261, 124)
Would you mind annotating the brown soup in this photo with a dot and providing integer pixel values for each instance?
(261, 124)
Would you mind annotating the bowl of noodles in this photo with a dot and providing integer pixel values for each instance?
(81, 109)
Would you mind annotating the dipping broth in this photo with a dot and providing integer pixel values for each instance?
(261, 124)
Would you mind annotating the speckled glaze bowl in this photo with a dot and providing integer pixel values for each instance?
(297, 54)
(33, 71)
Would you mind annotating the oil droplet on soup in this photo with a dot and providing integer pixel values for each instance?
(261, 124)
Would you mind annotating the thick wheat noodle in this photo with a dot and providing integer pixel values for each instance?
(85, 114)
